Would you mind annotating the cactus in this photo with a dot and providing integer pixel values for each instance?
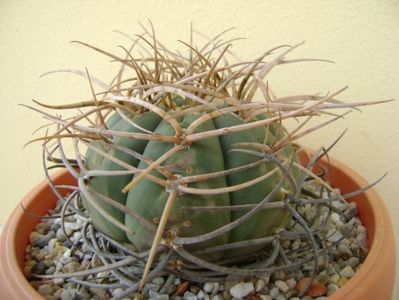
(183, 168)
(202, 157)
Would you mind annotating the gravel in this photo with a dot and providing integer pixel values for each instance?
(50, 252)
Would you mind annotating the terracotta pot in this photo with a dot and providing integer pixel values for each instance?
(374, 280)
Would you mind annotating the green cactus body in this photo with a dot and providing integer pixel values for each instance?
(148, 199)
(111, 186)
(264, 222)
(203, 156)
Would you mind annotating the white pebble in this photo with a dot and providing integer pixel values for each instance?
(77, 236)
(282, 286)
(242, 289)
(260, 284)
(266, 297)
(203, 296)
(71, 227)
(67, 254)
(335, 218)
(291, 283)
(347, 272)
(58, 281)
(208, 287)
(215, 289)
(217, 297)
(189, 296)
(274, 292)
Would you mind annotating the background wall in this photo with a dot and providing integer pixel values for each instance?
(362, 37)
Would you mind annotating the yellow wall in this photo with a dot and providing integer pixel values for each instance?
(362, 37)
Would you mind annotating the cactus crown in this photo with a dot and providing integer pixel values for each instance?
(183, 171)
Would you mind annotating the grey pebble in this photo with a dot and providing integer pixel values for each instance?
(323, 276)
(66, 295)
(168, 286)
(44, 240)
(152, 293)
(55, 226)
(60, 235)
(159, 281)
(67, 244)
(344, 251)
(351, 210)
(50, 270)
(353, 261)
(45, 289)
(151, 286)
(331, 289)
(39, 268)
(116, 292)
(274, 292)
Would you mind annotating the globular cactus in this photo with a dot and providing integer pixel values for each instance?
(200, 172)
(183, 169)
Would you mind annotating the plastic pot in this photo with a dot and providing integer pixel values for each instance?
(374, 279)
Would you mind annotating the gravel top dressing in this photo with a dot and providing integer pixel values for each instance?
(51, 252)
